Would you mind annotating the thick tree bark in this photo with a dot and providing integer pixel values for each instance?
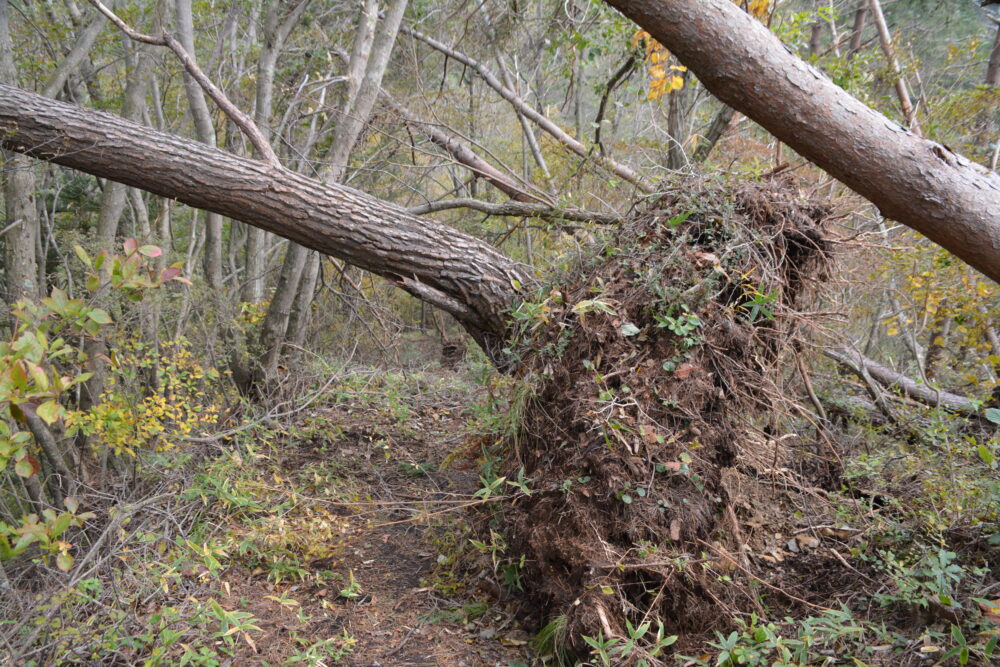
(919, 183)
(449, 269)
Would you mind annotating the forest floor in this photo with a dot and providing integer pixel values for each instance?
(368, 560)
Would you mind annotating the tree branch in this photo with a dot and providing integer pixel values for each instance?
(616, 79)
(863, 366)
(462, 153)
(242, 121)
(517, 209)
(526, 110)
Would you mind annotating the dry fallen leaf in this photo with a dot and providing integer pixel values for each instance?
(991, 611)
(807, 541)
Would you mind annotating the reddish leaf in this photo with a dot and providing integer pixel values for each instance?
(131, 245)
(684, 370)
(28, 466)
(169, 274)
(991, 611)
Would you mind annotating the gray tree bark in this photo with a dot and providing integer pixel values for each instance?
(76, 56)
(274, 33)
(114, 195)
(205, 131)
(369, 60)
(993, 67)
(21, 223)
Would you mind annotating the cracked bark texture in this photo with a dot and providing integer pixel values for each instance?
(456, 272)
(919, 183)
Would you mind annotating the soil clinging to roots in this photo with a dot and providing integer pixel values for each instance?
(652, 409)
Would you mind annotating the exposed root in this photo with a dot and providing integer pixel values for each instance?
(651, 428)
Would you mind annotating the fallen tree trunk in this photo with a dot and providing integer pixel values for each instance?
(451, 270)
(920, 183)
(890, 379)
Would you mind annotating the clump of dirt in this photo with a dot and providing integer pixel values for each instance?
(652, 416)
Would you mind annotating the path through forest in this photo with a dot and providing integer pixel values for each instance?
(397, 581)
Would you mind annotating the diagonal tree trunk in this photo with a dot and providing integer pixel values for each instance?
(447, 268)
(919, 183)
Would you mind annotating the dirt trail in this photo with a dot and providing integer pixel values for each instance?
(420, 593)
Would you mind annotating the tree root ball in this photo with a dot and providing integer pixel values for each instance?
(651, 394)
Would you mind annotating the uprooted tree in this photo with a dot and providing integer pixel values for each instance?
(647, 384)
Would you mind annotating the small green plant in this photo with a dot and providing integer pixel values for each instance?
(682, 323)
(550, 643)
(351, 591)
(758, 305)
(332, 649)
(615, 650)
(934, 577)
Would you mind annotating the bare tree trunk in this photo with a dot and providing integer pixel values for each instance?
(720, 123)
(76, 56)
(909, 113)
(274, 33)
(815, 37)
(301, 316)
(272, 335)
(938, 344)
(890, 379)
(919, 183)
(114, 195)
(857, 31)
(993, 68)
(676, 158)
(21, 223)
(358, 107)
(205, 131)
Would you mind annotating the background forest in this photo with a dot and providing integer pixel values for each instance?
(220, 447)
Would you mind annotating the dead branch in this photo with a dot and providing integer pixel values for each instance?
(530, 113)
(240, 119)
(518, 209)
(462, 153)
(620, 76)
(863, 366)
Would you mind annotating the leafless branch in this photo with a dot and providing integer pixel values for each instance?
(240, 119)
(518, 209)
(530, 113)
